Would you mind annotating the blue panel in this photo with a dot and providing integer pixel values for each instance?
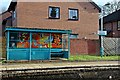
(56, 50)
(66, 54)
(59, 52)
(39, 30)
(19, 54)
(8, 35)
(40, 54)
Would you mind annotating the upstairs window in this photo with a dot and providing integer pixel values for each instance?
(54, 12)
(73, 14)
(14, 14)
(118, 25)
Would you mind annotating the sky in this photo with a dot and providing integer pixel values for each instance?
(102, 2)
(4, 4)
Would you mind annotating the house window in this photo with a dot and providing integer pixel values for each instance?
(73, 14)
(54, 12)
(14, 14)
(118, 25)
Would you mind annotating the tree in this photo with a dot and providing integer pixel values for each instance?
(111, 7)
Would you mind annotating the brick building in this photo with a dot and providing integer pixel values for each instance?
(82, 18)
(6, 20)
(112, 40)
(112, 24)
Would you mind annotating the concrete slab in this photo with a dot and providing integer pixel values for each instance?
(13, 66)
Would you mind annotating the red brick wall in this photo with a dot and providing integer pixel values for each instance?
(78, 46)
(113, 27)
(2, 17)
(93, 47)
(35, 15)
(82, 46)
(116, 32)
(107, 27)
(2, 37)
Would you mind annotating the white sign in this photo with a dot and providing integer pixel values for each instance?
(102, 33)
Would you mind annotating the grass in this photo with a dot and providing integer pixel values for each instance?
(87, 58)
(92, 58)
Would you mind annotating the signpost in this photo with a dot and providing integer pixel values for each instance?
(102, 33)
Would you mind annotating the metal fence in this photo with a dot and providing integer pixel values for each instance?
(111, 46)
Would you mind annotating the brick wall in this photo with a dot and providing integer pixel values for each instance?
(4, 47)
(78, 46)
(93, 47)
(35, 15)
(114, 30)
(2, 35)
(82, 46)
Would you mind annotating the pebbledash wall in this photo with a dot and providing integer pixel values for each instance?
(35, 15)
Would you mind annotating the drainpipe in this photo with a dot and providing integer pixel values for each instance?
(11, 19)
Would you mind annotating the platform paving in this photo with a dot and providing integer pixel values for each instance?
(13, 66)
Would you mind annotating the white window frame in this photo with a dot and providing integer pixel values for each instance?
(57, 12)
(72, 13)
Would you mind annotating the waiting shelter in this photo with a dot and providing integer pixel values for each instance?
(37, 44)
